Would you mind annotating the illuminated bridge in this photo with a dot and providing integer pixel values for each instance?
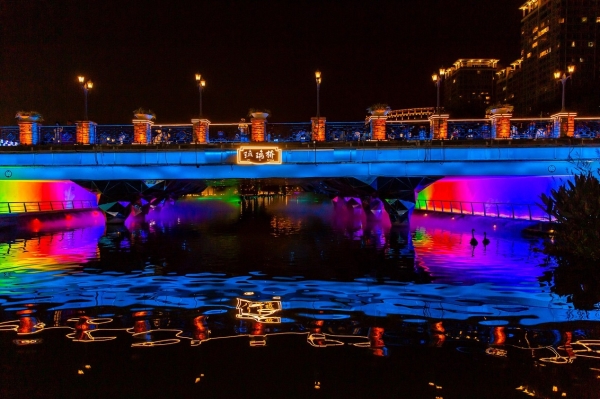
(143, 176)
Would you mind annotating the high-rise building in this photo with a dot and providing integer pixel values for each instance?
(469, 87)
(555, 34)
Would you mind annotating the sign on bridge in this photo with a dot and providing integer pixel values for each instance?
(259, 155)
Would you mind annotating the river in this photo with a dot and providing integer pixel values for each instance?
(287, 296)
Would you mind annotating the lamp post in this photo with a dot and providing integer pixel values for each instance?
(437, 79)
(318, 79)
(201, 84)
(562, 77)
(87, 86)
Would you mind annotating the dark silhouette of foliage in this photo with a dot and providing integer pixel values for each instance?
(575, 207)
(579, 281)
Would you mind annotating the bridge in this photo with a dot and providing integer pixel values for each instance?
(141, 176)
(312, 160)
(390, 157)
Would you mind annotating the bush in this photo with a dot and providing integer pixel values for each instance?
(576, 208)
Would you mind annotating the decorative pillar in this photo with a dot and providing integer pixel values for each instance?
(500, 125)
(564, 124)
(438, 126)
(29, 132)
(200, 128)
(259, 127)
(318, 129)
(377, 125)
(85, 132)
(142, 131)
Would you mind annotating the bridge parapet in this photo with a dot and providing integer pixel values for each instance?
(352, 131)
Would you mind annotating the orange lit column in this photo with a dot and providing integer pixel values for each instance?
(377, 125)
(85, 132)
(318, 129)
(564, 124)
(29, 132)
(438, 126)
(259, 126)
(142, 131)
(200, 127)
(500, 125)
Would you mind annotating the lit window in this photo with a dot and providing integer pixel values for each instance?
(597, 19)
(544, 31)
(572, 44)
(534, 45)
(584, 19)
(535, 29)
(528, 55)
(590, 44)
(562, 20)
(581, 60)
(545, 52)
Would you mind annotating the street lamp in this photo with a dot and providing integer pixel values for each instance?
(318, 79)
(201, 84)
(87, 86)
(562, 78)
(437, 79)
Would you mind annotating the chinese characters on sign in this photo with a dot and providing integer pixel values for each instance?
(258, 155)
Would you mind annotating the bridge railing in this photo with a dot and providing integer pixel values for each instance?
(408, 130)
(396, 130)
(289, 132)
(9, 135)
(44, 206)
(172, 134)
(58, 134)
(531, 212)
(114, 134)
(347, 131)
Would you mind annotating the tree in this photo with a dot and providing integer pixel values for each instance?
(575, 207)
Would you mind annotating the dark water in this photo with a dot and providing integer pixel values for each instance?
(287, 297)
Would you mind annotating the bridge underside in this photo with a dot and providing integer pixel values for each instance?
(121, 198)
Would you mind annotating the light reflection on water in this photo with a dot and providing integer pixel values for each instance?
(286, 246)
(329, 263)
(443, 248)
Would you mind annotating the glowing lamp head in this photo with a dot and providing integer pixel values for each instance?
(557, 75)
(203, 83)
(81, 79)
(89, 84)
(571, 68)
(434, 77)
(198, 77)
(442, 71)
(318, 74)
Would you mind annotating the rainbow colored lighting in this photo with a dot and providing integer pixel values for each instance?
(502, 189)
(49, 190)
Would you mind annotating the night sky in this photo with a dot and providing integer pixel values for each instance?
(251, 53)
